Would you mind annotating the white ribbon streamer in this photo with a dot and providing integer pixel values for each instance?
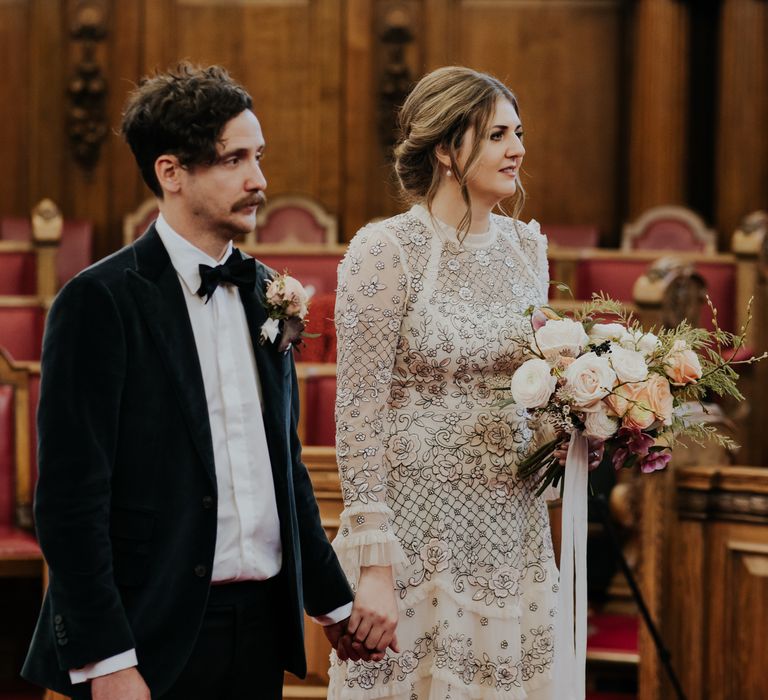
(571, 628)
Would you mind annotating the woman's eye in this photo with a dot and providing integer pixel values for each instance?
(497, 135)
(519, 134)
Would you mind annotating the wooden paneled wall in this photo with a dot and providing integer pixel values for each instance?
(604, 89)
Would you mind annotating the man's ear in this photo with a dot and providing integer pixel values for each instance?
(168, 171)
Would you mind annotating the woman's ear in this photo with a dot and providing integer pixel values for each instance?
(168, 171)
(441, 153)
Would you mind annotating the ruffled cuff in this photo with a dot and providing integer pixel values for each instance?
(366, 538)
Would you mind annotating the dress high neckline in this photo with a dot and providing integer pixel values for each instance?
(448, 234)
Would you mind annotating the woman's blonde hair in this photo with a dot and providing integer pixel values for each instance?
(438, 112)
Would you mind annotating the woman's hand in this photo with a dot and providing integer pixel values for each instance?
(595, 451)
(373, 621)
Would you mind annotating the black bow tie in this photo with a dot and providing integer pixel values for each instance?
(236, 270)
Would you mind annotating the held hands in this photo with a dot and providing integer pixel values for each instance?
(370, 629)
(121, 685)
(595, 452)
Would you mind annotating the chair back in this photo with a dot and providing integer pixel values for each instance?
(566, 236)
(16, 478)
(22, 321)
(669, 228)
(293, 221)
(137, 222)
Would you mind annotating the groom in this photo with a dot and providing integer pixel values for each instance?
(175, 514)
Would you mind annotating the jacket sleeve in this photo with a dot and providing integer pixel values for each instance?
(82, 373)
(325, 587)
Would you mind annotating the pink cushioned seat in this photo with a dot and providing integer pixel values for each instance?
(21, 331)
(18, 273)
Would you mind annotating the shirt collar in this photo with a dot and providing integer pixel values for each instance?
(185, 257)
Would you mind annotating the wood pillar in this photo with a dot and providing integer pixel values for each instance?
(658, 105)
(742, 137)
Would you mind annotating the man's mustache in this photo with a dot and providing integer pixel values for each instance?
(252, 200)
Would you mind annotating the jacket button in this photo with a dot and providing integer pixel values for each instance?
(201, 570)
(207, 502)
(62, 641)
(58, 619)
(58, 627)
(61, 634)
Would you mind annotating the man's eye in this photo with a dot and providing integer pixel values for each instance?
(234, 160)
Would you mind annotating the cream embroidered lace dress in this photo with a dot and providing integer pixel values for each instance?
(426, 329)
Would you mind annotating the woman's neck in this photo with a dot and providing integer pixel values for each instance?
(449, 207)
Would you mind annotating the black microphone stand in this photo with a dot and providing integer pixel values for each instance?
(601, 505)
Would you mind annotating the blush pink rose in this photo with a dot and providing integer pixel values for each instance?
(682, 364)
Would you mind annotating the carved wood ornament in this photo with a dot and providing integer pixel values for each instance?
(87, 88)
(396, 79)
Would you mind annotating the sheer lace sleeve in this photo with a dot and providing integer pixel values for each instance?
(539, 241)
(371, 297)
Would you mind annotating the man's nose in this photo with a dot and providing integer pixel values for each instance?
(256, 180)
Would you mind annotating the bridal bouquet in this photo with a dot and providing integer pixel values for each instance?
(619, 383)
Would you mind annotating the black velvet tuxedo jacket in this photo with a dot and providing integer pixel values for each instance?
(125, 505)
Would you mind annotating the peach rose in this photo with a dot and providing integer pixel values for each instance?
(682, 364)
(659, 398)
(641, 404)
(639, 414)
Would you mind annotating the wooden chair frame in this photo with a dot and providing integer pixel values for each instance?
(16, 374)
(134, 218)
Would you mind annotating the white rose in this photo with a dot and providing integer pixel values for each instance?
(589, 378)
(533, 384)
(601, 332)
(629, 365)
(561, 337)
(646, 343)
(598, 424)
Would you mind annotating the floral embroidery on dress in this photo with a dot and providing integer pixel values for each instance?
(426, 332)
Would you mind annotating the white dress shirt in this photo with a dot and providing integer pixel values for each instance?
(248, 545)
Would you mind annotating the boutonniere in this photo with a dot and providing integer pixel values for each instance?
(287, 304)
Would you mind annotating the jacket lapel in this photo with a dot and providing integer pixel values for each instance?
(158, 293)
(272, 367)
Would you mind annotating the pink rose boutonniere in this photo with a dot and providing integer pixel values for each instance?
(287, 305)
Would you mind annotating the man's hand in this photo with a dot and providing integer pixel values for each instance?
(121, 685)
(372, 624)
(336, 631)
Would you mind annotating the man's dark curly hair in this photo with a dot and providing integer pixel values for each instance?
(181, 112)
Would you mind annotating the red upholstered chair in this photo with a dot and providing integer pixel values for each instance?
(22, 321)
(18, 269)
(566, 236)
(295, 221)
(138, 221)
(19, 552)
(322, 348)
(74, 253)
(15, 228)
(75, 250)
(317, 394)
(669, 228)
